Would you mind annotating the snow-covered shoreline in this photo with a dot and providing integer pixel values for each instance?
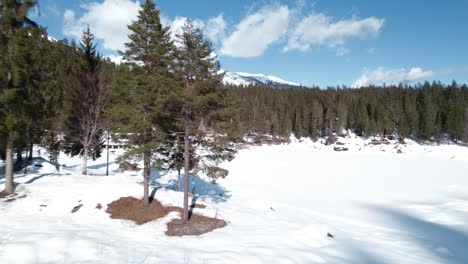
(280, 202)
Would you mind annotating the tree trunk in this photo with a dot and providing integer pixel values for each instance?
(9, 185)
(27, 152)
(186, 173)
(107, 162)
(84, 170)
(201, 127)
(146, 176)
(31, 146)
(19, 160)
(178, 180)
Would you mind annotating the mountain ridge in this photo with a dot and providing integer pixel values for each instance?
(249, 79)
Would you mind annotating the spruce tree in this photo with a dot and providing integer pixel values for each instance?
(455, 112)
(60, 86)
(362, 118)
(428, 112)
(145, 91)
(18, 64)
(316, 119)
(206, 115)
(465, 125)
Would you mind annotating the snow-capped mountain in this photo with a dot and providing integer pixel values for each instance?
(247, 79)
(51, 39)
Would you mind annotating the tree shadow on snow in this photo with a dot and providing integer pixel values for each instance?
(16, 176)
(449, 245)
(151, 197)
(200, 187)
(38, 177)
(101, 166)
(192, 205)
(39, 161)
(354, 255)
(93, 170)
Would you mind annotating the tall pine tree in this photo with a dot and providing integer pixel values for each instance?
(19, 37)
(144, 90)
(206, 109)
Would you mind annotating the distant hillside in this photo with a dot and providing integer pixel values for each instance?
(247, 79)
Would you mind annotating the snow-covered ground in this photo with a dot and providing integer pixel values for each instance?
(280, 203)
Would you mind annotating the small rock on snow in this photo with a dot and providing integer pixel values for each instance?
(76, 208)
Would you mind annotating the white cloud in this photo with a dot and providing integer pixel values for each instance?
(108, 21)
(115, 58)
(165, 21)
(319, 29)
(342, 51)
(251, 37)
(392, 76)
(178, 23)
(417, 74)
(68, 16)
(216, 29)
(257, 31)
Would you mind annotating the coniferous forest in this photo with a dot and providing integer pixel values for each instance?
(427, 111)
(66, 96)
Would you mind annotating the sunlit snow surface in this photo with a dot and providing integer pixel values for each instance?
(280, 203)
(248, 79)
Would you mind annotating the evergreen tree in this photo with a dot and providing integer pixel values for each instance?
(411, 112)
(205, 108)
(316, 119)
(427, 112)
(342, 118)
(18, 65)
(60, 86)
(466, 125)
(455, 112)
(145, 91)
(362, 119)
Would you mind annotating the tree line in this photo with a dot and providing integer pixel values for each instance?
(426, 111)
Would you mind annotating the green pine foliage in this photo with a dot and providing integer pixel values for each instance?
(145, 104)
(150, 43)
(455, 112)
(21, 46)
(207, 107)
(425, 111)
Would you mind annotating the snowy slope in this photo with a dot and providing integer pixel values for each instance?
(280, 202)
(247, 79)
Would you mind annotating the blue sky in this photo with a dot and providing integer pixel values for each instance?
(322, 42)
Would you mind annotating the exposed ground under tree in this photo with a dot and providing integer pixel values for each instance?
(130, 208)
